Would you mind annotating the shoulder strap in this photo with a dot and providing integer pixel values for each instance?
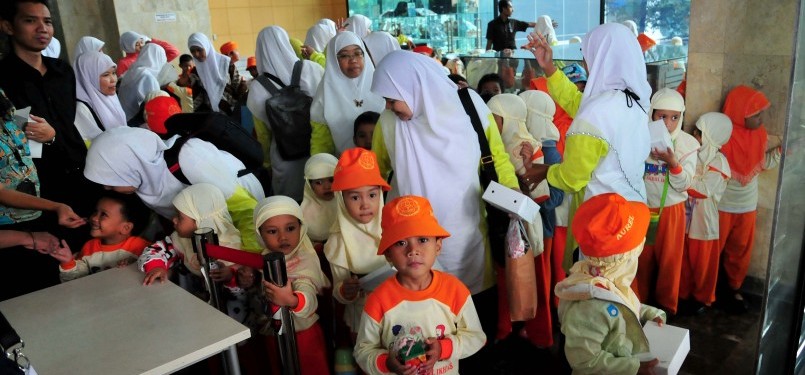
(171, 157)
(297, 73)
(94, 116)
(487, 164)
(264, 81)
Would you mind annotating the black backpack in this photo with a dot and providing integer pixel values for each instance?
(288, 112)
(218, 129)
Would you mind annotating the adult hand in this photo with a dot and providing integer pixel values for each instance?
(341, 24)
(542, 51)
(39, 130)
(68, 218)
(43, 242)
(533, 176)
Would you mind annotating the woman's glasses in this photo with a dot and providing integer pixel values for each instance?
(358, 55)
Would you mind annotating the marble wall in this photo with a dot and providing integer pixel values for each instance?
(78, 18)
(748, 42)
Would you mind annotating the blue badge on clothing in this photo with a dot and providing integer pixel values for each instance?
(612, 310)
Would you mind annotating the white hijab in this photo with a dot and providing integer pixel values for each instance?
(541, 109)
(133, 157)
(329, 23)
(129, 39)
(716, 130)
(380, 44)
(319, 215)
(545, 28)
(141, 78)
(213, 71)
(360, 25)
(87, 44)
(53, 49)
(88, 69)
(434, 150)
(206, 204)
(632, 26)
(335, 100)
(318, 35)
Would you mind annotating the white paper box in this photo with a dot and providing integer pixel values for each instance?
(511, 201)
(373, 279)
(660, 138)
(669, 344)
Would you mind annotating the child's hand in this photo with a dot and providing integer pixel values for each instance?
(666, 156)
(62, 253)
(534, 175)
(222, 274)
(394, 365)
(281, 296)
(647, 367)
(245, 277)
(155, 274)
(350, 288)
(526, 151)
(659, 321)
(433, 351)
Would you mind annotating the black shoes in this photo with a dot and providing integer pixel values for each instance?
(691, 307)
(733, 302)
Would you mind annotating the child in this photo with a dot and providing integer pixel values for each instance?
(116, 218)
(198, 206)
(319, 206)
(601, 317)
(279, 224)
(489, 86)
(748, 152)
(420, 320)
(364, 128)
(667, 176)
(700, 264)
(356, 232)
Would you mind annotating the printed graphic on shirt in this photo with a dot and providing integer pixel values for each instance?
(612, 310)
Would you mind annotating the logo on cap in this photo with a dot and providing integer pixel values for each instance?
(407, 207)
(366, 160)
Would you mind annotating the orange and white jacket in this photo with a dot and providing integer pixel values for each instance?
(443, 310)
(685, 148)
(96, 257)
(705, 192)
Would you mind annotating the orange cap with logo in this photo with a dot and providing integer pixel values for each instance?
(408, 216)
(158, 110)
(228, 47)
(607, 224)
(358, 167)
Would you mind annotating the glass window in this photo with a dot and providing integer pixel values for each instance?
(575, 17)
(659, 19)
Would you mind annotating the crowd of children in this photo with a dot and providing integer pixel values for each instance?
(401, 196)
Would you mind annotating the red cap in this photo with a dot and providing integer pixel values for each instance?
(157, 110)
(408, 216)
(228, 47)
(607, 224)
(357, 167)
(251, 62)
(424, 50)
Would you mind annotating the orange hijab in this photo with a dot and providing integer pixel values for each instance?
(561, 119)
(746, 149)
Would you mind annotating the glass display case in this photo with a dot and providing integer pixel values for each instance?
(665, 65)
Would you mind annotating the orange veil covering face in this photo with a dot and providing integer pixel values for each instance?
(746, 149)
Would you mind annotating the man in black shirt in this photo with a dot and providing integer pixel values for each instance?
(500, 31)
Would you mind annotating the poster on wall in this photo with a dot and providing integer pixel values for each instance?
(165, 17)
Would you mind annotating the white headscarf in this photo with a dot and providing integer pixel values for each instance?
(380, 44)
(616, 63)
(632, 26)
(514, 113)
(545, 28)
(541, 109)
(716, 130)
(309, 267)
(358, 239)
(88, 69)
(360, 25)
(206, 204)
(318, 35)
(329, 23)
(319, 214)
(129, 39)
(141, 78)
(335, 100)
(133, 157)
(87, 44)
(213, 71)
(436, 148)
(53, 49)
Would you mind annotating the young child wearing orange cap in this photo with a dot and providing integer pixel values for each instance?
(351, 248)
(420, 320)
(601, 317)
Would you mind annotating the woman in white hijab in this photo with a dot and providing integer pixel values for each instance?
(545, 28)
(276, 57)
(131, 160)
(141, 79)
(213, 72)
(96, 92)
(319, 35)
(379, 44)
(342, 95)
(360, 25)
(87, 44)
(427, 138)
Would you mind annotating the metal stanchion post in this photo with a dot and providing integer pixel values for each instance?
(274, 271)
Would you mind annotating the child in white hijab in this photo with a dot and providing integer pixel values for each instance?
(142, 78)
(98, 107)
(281, 228)
(319, 207)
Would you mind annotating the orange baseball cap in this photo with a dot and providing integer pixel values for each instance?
(608, 224)
(645, 42)
(408, 216)
(251, 62)
(228, 47)
(159, 109)
(358, 167)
